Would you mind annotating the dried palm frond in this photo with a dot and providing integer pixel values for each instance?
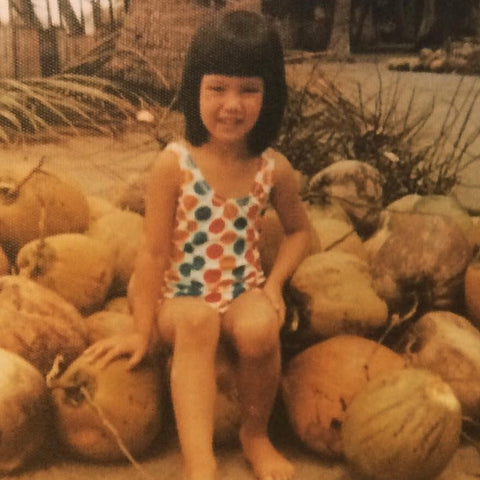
(44, 107)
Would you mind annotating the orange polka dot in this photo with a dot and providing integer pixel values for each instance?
(228, 237)
(217, 201)
(192, 226)
(226, 283)
(187, 176)
(253, 211)
(230, 211)
(213, 297)
(212, 275)
(180, 235)
(214, 251)
(190, 201)
(217, 225)
(250, 234)
(228, 262)
(250, 256)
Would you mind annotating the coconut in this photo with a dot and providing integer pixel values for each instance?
(104, 324)
(36, 202)
(333, 294)
(77, 267)
(320, 382)
(38, 324)
(449, 345)
(472, 292)
(422, 260)
(356, 186)
(101, 409)
(24, 412)
(98, 206)
(122, 233)
(130, 194)
(403, 425)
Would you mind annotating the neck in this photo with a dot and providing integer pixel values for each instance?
(228, 151)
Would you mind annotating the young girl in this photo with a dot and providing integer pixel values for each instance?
(198, 277)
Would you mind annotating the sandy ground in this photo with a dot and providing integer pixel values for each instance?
(99, 163)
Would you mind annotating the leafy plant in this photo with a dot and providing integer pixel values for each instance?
(322, 125)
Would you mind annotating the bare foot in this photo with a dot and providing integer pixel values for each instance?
(267, 463)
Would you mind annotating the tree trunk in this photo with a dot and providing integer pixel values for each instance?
(69, 18)
(339, 45)
(24, 11)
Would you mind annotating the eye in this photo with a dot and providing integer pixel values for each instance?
(215, 88)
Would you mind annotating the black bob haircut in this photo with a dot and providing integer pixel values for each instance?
(239, 43)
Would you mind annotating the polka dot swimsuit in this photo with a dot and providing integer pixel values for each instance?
(215, 241)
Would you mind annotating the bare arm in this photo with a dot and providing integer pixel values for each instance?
(287, 202)
(152, 260)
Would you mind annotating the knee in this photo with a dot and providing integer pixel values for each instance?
(196, 323)
(256, 335)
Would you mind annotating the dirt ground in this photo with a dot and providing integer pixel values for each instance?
(99, 163)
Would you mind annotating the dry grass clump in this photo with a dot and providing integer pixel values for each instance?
(43, 107)
(322, 125)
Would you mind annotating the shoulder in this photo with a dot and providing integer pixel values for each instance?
(166, 168)
(282, 168)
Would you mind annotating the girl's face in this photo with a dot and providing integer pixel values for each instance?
(230, 106)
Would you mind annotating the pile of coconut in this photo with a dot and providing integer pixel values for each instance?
(462, 57)
(381, 346)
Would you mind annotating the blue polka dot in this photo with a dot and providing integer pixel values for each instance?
(203, 213)
(243, 201)
(239, 271)
(185, 269)
(198, 263)
(188, 248)
(238, 288)
(240, 223)
(239, 246)
(199, 238)
(201, 187)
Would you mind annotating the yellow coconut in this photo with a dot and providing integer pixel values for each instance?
(333, 293)
(38, 324)
(76, 266)
(24, 412)
(121, 232)
(98, 406)
(104, 324)
(36, 202)
(98, 206)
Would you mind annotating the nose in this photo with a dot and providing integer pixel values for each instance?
(232, 100)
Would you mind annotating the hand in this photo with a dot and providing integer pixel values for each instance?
(105, 351)
(275, 295)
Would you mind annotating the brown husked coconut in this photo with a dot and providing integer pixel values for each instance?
(130, 194)
(25, 413)
(104, 324)
(96, 405)
(356, 186)
(472, 292)
(319, 384)
(122, 233)
(76, 266)
(330, 234)
(404, 425)
(422, 260)
(98, 206)
(332, 292)
(449, 345)
(34, 203)
(38, 324)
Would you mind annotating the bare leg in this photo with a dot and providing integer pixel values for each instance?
(257, 340)
(193, 383)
